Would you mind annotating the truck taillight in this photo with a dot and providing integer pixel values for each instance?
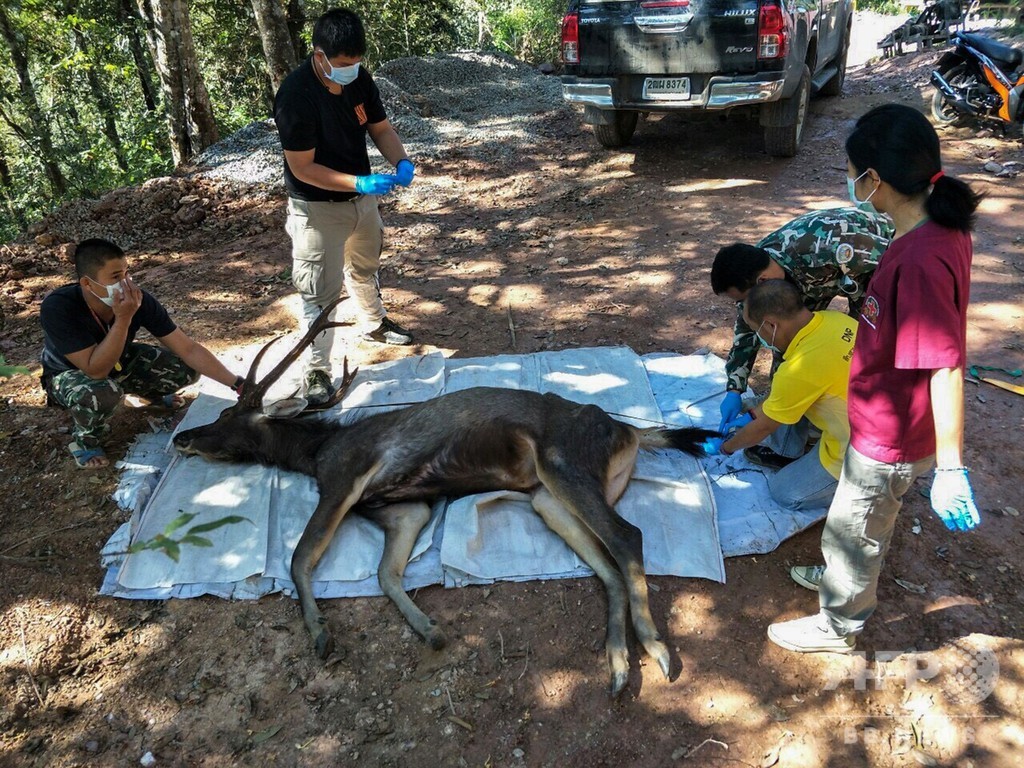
(571, 38)
(771, 31)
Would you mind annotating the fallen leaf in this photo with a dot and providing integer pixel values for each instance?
(910, 586)
(1010, 512)
(460, 722)
(264, 735)
(923, 758)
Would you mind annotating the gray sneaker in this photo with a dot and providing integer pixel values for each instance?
(319, 387)
(389, 332)
(808, 576)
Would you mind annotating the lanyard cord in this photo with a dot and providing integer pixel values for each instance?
(106, 329)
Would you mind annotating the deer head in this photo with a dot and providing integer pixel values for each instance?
(242, 431)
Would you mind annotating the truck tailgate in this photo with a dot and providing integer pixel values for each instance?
(667, 37)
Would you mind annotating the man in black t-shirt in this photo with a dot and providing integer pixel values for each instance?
(324, 110)
(91, 359)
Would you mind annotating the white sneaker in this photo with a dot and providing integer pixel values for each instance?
(807, 576)
(810, 634)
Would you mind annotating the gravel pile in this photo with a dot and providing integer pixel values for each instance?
(471, 86)
(465, 99)
(252, 154)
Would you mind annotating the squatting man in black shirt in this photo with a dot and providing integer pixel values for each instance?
(91, 359)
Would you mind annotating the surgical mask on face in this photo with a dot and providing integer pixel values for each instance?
(111, 290)
(340, 75)
(761, 338)
(851, 189)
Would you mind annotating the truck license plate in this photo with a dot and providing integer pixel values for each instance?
(667, 88)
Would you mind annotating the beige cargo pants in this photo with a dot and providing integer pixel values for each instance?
(335, 245)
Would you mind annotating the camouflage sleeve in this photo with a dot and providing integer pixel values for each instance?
(830, 253)
(742, 355)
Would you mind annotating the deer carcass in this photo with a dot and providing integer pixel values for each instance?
(574, 460)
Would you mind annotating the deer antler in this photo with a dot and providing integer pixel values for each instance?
(254, 391)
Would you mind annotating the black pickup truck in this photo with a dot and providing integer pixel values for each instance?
(624, 58)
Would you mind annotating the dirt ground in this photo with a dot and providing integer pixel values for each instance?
(574, 246)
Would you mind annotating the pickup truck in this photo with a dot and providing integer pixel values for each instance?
(624, 58)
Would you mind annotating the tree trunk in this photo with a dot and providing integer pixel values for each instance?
(131, 20)
(295, 19)
(277, 43)
(190, 123)
(38, 136)
(6, 180)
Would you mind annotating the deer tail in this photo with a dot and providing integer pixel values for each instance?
(685, 439)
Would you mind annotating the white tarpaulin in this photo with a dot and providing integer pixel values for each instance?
(482, 538)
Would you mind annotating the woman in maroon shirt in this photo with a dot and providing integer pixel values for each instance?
(906, 378)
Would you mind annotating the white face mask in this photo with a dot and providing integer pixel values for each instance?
(340, 75)
(851, 188)
(111, 290)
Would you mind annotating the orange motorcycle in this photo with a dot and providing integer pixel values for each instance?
(980, 79)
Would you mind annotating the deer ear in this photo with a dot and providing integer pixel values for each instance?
(285, 409)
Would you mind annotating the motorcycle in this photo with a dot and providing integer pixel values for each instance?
(980, 79)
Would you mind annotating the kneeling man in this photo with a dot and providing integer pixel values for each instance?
(816, 349)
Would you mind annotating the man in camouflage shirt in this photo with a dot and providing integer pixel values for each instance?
(823, 253)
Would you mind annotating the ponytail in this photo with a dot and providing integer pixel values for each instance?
(952, 204)
(903, 148)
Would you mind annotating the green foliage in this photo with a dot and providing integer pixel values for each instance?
(6, 371)
(884, 7)
(172, 547)
(527, 29)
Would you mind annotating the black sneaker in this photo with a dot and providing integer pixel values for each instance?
(389, 332)
(766, 457)
(319, 387)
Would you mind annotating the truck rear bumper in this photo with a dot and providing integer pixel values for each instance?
(719, 93)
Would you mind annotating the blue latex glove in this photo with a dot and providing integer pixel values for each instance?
(730, 408)
(738, 423)
(712, 446)
(953, 500)
(375, 183)
(404, 171)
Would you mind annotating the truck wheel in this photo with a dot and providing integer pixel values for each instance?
(834, 87)
(784, 122)
(619, 131)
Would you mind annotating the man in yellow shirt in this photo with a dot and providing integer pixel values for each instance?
(816, 349)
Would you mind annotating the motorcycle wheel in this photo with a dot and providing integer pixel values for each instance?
(943, 112)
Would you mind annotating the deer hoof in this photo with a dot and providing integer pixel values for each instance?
(661, 655)
(619, 680)
(324, 644)
(435, 639)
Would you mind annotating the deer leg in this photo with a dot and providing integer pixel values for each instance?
(402, 524)
(624, 542)
(620, 470)
(563, 522)
(319, 531)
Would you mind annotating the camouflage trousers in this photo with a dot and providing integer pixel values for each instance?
(147, 371)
